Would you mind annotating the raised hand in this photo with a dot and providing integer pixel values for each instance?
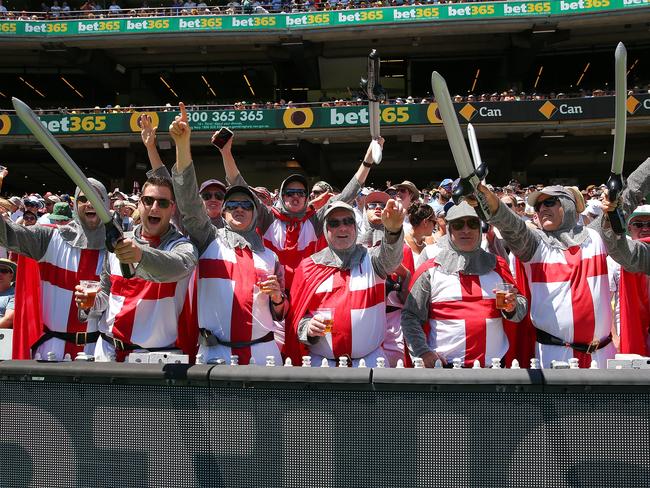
(148, 132)
(368, 157)
(180, 129)
(393, 216)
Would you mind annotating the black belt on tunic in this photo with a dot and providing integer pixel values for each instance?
(120, 345)
(589, 348)
(77, 338)
(207, 338)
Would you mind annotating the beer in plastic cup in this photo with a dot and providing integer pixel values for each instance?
(326, 315)
(90, 288)
(502, 290)
(261, 276)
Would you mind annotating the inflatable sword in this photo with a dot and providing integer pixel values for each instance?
(469, 180)
(49, 142)
(615, 182)
(376, 95)
(480, 167)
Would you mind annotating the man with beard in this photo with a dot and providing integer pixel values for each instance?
(292, 228)
(453, 296)
(565, 271)
(349, 280)
(239, 287)
(65, 255)
(142, 313)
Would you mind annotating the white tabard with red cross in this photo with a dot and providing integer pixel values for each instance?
(463, 319)
(231, 306)
(141, 312)
(62, 267)
(570, 298)
(357, 297)
(291, 243)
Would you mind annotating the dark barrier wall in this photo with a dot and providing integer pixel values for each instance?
(94, 425)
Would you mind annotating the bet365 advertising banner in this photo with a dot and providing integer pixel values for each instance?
(308, 20)
(303, 118)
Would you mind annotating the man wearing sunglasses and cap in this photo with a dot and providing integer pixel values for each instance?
(65, 255)
(453, 295)
(564, 266)
(292, 228)
(240, 283)
(347, 279)
(143, 313)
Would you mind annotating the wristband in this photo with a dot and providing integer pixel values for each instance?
(367, 165)
(279, 303)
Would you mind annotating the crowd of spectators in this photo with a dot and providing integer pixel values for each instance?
(510, 95)
(92, 9)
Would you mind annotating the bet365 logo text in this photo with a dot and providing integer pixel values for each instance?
(569, 6)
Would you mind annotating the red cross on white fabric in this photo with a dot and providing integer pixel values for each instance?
(135, 290)
(474, 309)
(67, 280)
(575, 271)
(343, 300)
(243, 274)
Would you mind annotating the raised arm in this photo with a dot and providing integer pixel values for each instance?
(351, 190)
(389, 254)
(148, 135)
(195, 220)
(229, 164)
(521, 239)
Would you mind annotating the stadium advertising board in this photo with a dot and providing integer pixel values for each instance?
(307, 20)
(566, 109)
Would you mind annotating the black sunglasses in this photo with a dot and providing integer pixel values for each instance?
(334, 223)
(149, 201)
(82, 199)
(549, 202)
(207, 195)
(235, 204)
(641, 225)
(295, 192)
(5, 270)
(460, 224)
(374, 205)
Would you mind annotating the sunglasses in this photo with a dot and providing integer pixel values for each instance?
(5, 271)
(235, 204)
(29, 219)
(82, 199)
(207, 195)
(295, 193)
(392, 193)
(549, 202)
(334, 223)
(149, 201)
(641, 225)
(460, 224)
(374, 205)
